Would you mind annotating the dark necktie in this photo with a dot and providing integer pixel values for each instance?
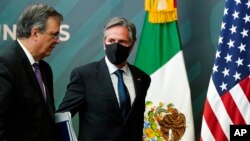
(124, 98)
(39, 78)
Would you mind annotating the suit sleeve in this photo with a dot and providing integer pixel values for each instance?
(6, 87)
(74, 95)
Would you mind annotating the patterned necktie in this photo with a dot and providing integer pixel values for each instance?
(39, 78)
(124, 98)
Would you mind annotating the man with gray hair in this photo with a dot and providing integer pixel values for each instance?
(26, 89)
(109, 95)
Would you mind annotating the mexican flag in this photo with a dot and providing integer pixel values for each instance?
(168, 114)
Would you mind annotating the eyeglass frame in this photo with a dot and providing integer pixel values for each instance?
(55, 37)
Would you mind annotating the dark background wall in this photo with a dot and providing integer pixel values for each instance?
(199, 24)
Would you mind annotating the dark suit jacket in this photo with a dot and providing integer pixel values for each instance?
(24, 114)
(91, 93)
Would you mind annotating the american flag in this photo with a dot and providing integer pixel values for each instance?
(228, 93)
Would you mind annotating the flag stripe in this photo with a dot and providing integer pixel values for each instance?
(208, 135)
(213, 123)
(242, 100)
(232, 109)
(158, 44)
(245, 84)
(242, 103)
(218, 109)
(163, 90)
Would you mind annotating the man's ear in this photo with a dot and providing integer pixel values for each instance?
(34, 33)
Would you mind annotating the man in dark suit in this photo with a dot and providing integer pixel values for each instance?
(93, 92)
(26, 101)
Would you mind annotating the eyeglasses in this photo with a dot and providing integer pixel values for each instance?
(55, 36)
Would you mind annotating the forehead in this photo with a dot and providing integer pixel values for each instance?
(53, 24)
(117, 32)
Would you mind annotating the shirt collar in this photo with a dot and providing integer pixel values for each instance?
(112, 68)
(30, 57)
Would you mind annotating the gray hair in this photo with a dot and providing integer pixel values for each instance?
(35, 16)
(120, 21)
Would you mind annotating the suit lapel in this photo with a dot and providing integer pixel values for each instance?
(137, 86)
(49, 93)
(29, 71)
(27, 66)
(103, 75)
(137, 81)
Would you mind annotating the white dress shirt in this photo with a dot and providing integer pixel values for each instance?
(127, 78)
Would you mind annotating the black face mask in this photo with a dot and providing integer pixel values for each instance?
(117, 53)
